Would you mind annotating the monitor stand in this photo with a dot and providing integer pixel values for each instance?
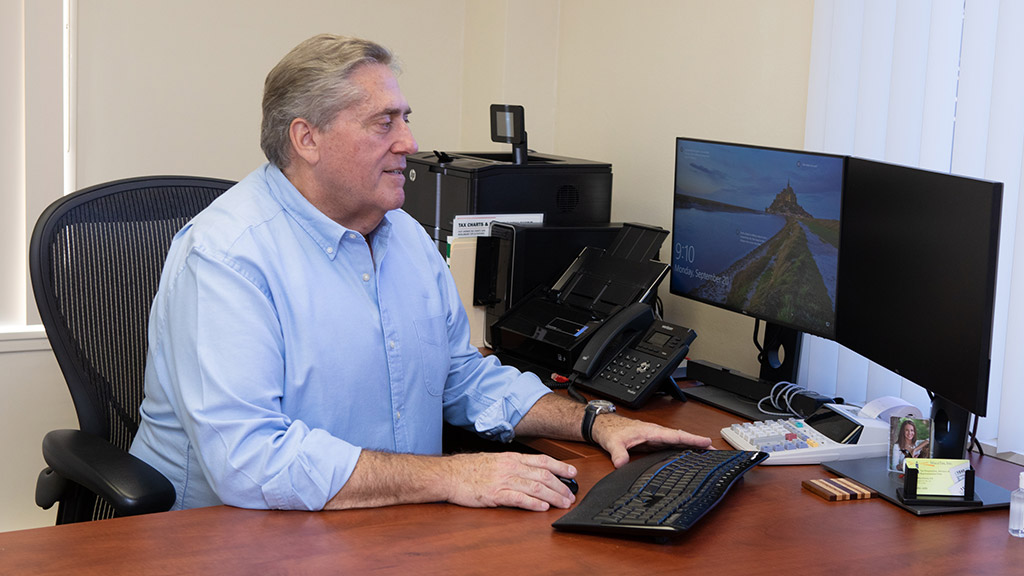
(873, 473)
(738, 393)
(726, 400)
(728, 390)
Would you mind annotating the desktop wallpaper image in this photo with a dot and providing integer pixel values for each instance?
(757, 230)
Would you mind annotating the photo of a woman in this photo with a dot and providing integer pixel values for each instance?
(905, 442)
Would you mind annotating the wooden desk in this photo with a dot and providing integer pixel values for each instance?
(766, 524)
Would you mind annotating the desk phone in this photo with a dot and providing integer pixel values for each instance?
(632, 355)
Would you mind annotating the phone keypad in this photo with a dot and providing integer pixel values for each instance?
(631, 372)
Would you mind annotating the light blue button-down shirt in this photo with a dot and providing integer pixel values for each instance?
(279, 347)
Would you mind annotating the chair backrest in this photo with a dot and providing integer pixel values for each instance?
(95, 261)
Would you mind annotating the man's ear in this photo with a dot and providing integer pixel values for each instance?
(305, 140)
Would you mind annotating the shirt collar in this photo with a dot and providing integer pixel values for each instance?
(326, 233)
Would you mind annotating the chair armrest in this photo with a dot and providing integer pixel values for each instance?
(128, 484)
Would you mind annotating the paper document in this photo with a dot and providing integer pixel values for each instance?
(471, 225)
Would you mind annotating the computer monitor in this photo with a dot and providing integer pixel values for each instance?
(917, 277)
(755, 231)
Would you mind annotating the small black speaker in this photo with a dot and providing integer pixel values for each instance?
(567, 198)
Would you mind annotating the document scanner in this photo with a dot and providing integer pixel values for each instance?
(548, 328)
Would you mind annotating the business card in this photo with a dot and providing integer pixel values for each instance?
(939, 477)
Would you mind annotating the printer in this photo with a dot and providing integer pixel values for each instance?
(567, 191)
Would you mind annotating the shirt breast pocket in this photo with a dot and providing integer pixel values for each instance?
(435, 356)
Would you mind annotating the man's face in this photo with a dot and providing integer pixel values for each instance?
(362, 153)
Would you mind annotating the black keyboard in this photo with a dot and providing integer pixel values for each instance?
(659, 494)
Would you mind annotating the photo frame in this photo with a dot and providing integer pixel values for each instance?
(908, 438)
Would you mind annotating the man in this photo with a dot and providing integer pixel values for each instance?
(307, 341)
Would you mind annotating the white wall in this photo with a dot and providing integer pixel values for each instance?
(175, 87)
(35, 401)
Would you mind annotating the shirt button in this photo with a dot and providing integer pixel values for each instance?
(366, 277)
(330, 250)
(391, 343)
(353, 237)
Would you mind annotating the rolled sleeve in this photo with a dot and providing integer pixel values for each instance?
(228, 395)
(480, 393)
(302, 485)
(498, 421)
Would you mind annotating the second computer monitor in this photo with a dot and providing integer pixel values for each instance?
(918, 276)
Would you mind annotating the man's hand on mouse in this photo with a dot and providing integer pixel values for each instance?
(618, 434)
(527, 481)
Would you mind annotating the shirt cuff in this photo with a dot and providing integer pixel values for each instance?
(498, 421)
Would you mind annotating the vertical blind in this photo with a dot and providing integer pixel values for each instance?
(938, 85)
(12, 163)
(33, 150)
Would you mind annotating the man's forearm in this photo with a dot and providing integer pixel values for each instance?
(384, 479)
(553, 416)
(477, 480)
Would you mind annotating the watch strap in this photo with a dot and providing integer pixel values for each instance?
(594, 408)
(589, 415)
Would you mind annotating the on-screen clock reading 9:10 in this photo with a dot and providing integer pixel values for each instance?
(684, 252)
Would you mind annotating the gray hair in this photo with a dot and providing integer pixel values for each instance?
(313, 82)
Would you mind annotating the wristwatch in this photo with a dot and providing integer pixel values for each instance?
(594, 407)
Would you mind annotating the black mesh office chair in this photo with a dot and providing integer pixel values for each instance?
(95, 260)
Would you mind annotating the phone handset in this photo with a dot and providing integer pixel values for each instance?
(611, 337)
(631, 356)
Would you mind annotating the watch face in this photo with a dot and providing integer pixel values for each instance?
(602, 405)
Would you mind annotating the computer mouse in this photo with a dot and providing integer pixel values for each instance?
(570, 483)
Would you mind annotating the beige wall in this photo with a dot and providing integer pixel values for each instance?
(618, 81)
(174, 87)
(633, 76)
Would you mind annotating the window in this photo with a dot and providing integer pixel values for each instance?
(35, 155)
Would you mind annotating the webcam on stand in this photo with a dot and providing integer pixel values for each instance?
(507, 126)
